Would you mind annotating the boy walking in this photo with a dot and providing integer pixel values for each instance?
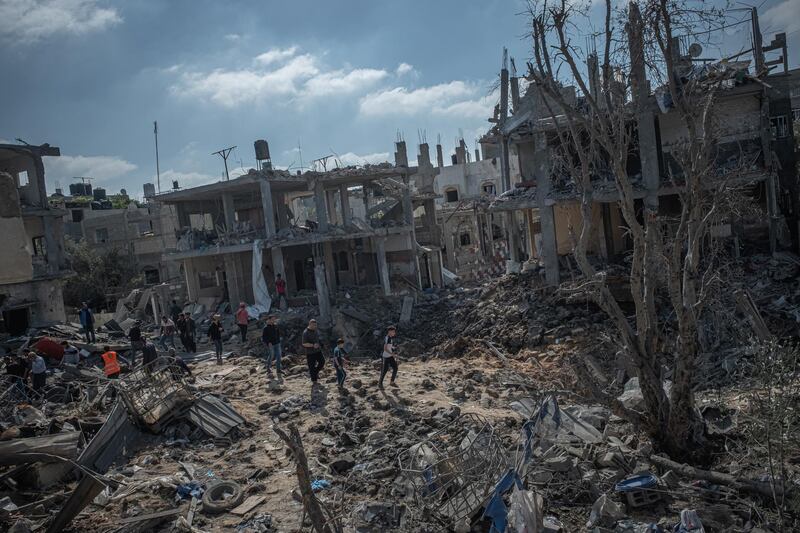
(338, 362)
(215, 334)
(241, 320)
(271, 337)
(389, 360)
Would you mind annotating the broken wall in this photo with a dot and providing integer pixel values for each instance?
(15, 261)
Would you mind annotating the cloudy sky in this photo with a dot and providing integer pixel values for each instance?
(342, 78)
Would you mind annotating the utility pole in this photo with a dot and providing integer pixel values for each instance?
(158, 169)
(224, 153)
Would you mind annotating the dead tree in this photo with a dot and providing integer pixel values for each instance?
(310, 503)
(594, 136)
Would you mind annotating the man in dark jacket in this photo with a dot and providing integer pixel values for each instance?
(137, 342)
(271, 337)
(313, 350)
(215, 334)
(87, 322)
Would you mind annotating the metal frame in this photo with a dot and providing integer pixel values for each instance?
(154, 395)
(454, 470)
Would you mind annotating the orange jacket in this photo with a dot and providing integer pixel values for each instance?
(110, 364)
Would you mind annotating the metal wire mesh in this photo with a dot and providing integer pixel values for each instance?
(454, 470)
(155, 393)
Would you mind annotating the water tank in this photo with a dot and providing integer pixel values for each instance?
(262, 150)
(123, 192)
(149, 190)
(175, 185)
(99, 193)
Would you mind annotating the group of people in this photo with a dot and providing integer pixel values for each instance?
(338, 356)
(27, 371)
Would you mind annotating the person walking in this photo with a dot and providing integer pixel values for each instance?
(241, 320)
(215, 334)
(110, 364)
(180, 326)
(389, 359)
(337, 358)
(137, 342)
(167, 333)
(149, 355)
(314, 357)
(87, 322)
(280, 291)
(191, 333)
(271, 337)
(38, 371)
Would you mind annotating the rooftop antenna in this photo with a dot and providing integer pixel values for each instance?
(300, 152)
(158, 168)
(224, 153)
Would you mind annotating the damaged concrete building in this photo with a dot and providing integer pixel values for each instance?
(140, 231)
(237, 235)
(755, 141)
(33, 263)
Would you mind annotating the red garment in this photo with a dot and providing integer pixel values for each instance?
(280, 286)
(241, 316)
(49, 347)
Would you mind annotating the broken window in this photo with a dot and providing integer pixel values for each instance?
(451, 195)
(206, 280)
(77, 215)
(779, 126)
(101, 235)
(464, 239)
(39, 248)
(796, 114)
(22, 178)
(151, 276)
(489, 188)
(343, 261)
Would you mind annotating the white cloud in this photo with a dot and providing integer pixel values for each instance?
(783, 16)
(276, 73)
(29, 21)
(233, 37)
(456, 99)
(339, 81)
(404, 68)
(354, 159)
(185, 180)
(275, 55)
(101, 167)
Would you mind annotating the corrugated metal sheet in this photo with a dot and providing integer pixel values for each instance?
(214, 416)
(115, 439)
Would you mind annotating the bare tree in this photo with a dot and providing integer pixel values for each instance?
(593, 138)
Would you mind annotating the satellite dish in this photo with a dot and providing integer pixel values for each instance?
(695, 50)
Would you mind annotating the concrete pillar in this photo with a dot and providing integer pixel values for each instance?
(383, 266)
(233, 278)
(439, 156)
(547, 222)
(52, 245)
(330, 265)
(229, 211)
(321, 205)
(408, 206)
(365, 199)
(424, 157)
(401, 155)
(190, 275)
(267, 207)
(277, 263)
(323, 297)
(344, 201)
(333, 214)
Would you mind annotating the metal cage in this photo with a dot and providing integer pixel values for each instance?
(454, 470)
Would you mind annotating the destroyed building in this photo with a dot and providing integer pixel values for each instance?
(755, 142)
(33, 264)
(475, 243)
(141, 232)
(237, 235)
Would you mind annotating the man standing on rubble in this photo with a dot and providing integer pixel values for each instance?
(280, 291)
(137, 342)
(389, 360)
(191, 333)
(215, 334)
(314, 357)
(241, 320)
(87, 322)
(271, 337)
(37, 370)
(167, 333)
